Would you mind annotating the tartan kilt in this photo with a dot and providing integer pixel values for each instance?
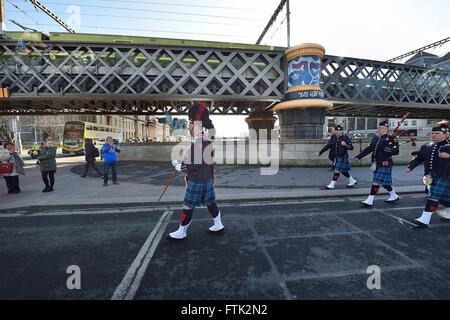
(199, 193)
(440, 190)
(343, 164)
(383, 176)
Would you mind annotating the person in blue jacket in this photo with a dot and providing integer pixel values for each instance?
(110, 150)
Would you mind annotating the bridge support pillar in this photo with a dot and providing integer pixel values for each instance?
(261, 120)
(302, 113)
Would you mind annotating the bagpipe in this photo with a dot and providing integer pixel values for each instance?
(397, 132)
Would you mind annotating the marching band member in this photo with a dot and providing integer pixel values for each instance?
(435, 158)
(341, 145)
(382, 149)
(199, 174)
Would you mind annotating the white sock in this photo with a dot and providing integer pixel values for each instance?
(447, 213)
(425, 218)
(392, 194)
(217, 224)
(370, 199)
(181, 233)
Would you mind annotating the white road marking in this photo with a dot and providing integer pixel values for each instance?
(401, 220)
(132, 280)
(126, 210)
(276, 203)
(346, 273)
(11, 215)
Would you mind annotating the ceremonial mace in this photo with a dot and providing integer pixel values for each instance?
(169, 181)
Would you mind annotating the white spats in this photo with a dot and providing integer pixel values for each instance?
(444, 214)
(218, 226)
(392, 197)
(352, 182)
(180, 234)
(368, 201)
(425, 218)
(331, 186)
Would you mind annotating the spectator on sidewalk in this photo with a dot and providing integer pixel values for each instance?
(110, 150)
(16, 167)
(47, 164)
(91, 153)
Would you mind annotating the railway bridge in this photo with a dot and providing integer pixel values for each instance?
(67, 73)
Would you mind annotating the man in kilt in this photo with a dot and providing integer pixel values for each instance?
(198, 166)
(332, 152)
(382, 148)
(341, 145)
(435, 157)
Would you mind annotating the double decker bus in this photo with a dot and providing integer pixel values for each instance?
(75, 133)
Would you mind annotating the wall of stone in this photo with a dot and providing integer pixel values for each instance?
(303, 153)
(290, 153)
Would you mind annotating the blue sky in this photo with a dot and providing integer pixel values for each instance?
(376, 30)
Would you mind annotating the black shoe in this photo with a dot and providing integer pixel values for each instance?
(105, 184)
(83, 177)
(445, 220)
(217, 233)
(419, 225)
(365, 205)
(174, 239)
(51, 189)
(47, 189)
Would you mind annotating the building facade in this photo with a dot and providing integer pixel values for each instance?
(139, 128)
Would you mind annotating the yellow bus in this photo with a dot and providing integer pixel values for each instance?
(75, 133)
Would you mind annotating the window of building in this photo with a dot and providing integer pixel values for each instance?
(372, 123)
(351, 123)
(361, 124)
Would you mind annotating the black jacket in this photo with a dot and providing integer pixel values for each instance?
(429, 156)
(328, 146)
(91, 152)
(444, 164)
(199, 166)
(382, 149)
(337, 148)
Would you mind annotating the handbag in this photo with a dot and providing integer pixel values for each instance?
(6, 168)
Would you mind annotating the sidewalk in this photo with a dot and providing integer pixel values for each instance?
(142, 182)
